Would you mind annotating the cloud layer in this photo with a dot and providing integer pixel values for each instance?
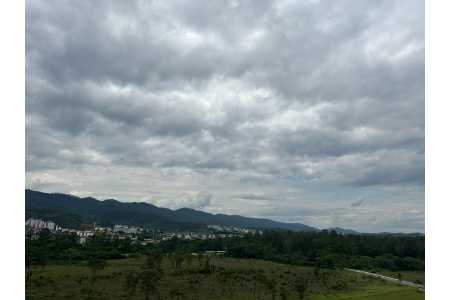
(249, 107)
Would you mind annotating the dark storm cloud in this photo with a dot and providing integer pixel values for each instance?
(253, 93)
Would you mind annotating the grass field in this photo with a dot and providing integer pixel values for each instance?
(232, 279)
(377, 293)
(416, 277)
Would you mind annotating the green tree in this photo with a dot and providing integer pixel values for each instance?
(28, 265)
(149, 282)
(283, 294)
(260, 280)
(301, 286)
(188, 260)
(316, 270)
(154, 260)
(200, 259)
(41, 258)
(71, 254)
(179, 259)
(176, 294)
(271, 287)
(171, 258)
(131, 282)
(95, 265)
(207, 266)
(151, 274)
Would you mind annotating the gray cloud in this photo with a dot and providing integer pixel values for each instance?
(254, 197)
(232, 97)
(358, 203)
(196, 201)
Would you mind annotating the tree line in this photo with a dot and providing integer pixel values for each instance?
(321, 249)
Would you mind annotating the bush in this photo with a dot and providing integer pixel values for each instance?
(362, 262)
(389, 262)
(412, 264)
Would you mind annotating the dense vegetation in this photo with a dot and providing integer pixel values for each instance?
(205, 278)
(323, 249)
(330, 250)
(57, 266)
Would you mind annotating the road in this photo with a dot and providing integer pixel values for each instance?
(395, 280)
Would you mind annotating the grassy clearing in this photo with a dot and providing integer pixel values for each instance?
(412, 276)
(233, 279)
(377, 292)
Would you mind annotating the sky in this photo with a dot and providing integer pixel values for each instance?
(297, 111)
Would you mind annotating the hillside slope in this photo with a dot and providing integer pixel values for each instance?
(138, 213)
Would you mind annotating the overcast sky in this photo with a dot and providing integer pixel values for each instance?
(299, 111)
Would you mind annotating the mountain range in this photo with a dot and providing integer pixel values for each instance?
(71, 211)
(342, 231)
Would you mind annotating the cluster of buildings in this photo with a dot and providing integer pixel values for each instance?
(213, 232)
(37, 224)
(205, 236)
(85, 232)
(134, 233)
(188, 236)
(234, 229)
(127, 229)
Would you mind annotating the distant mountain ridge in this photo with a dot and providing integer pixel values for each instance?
(343, 231)
(138, 213)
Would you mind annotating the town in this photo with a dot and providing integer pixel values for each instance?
(137, 234)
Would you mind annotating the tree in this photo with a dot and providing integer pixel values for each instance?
(271, 287)
(283, 294)
(151, 274)
(154, 260)
(268, 284)
(71, 254)
(259, 280)
(179, 258)
(131, 282)
(316, 270)
(327, 260)
(171, 258)
(149, 282)
(200, 258)
(95, 265)
(176, 294)
(28, 265)
(189, 260)
(38, 257)
(301, 286)
(207, 266)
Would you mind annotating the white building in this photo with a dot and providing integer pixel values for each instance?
(51, 225)
(85, 234)
(38, 224)
(126, 229)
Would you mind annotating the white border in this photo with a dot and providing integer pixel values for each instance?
(12, 149)
(12, 133)
(437, 149)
